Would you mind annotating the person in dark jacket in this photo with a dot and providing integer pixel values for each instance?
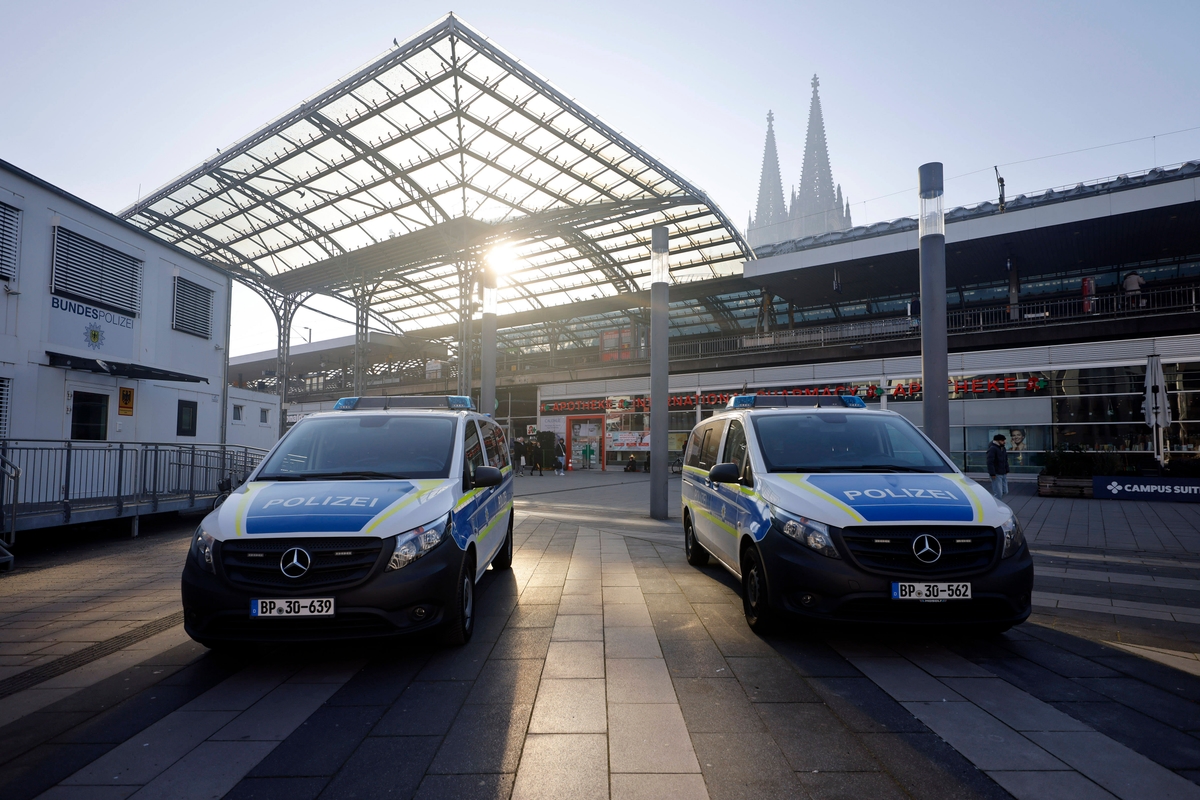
(997, 465)
(519, 455)
(535, 457)
(560, 457)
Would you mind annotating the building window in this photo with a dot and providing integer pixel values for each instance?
(9, 222)
(95, 273)
(89, 416)
(192, 310)
(185, 418)
(237, 413)
(5, 403)
(264, 415)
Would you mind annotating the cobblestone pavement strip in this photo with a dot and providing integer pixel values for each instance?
(605, 666)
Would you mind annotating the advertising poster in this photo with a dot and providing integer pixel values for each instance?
(630, 441)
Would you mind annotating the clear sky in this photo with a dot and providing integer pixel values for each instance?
(104, 98)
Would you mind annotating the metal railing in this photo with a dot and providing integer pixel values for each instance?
(1052, 311)
(55, 482)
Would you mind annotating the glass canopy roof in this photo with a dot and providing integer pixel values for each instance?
(445, 132)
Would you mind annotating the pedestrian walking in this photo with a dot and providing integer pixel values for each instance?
(997, 465)
(1133, 284)
(560, 457)
(519, 455)
(535, 458)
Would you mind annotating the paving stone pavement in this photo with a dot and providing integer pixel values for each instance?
(604, 666)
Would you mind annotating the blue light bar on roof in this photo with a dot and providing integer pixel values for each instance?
(459, 402)
(745, 401)
(384, 402)
(345, 404)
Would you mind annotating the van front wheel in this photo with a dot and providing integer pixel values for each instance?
(697, 556)
(756, 602)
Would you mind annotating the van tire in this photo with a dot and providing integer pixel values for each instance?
(503, 558)
(460, 622)
(697, 556)
(756, 600)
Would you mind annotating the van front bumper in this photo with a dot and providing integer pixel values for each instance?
(804, 582)
(383, 604)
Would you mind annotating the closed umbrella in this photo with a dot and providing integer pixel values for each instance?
(1156, 407)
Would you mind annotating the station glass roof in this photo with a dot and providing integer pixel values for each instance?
(442, 130)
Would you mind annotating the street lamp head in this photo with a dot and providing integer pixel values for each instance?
(932, 219)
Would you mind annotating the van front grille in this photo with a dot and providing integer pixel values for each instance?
(888, 549)
(336, 562)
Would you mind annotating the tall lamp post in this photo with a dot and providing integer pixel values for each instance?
(487, 344)
(659, 370)
(934, 348)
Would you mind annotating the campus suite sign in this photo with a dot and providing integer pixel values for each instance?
(98, 331)
(1177, 490)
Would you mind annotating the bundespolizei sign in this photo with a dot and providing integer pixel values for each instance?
(1177, 490)
(96, 331)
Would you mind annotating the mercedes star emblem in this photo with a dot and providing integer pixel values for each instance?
(296, 561)
(927, 549)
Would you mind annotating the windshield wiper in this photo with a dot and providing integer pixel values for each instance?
(350, 475)
(885, 468)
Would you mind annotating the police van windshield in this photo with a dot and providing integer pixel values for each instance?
(854, 442)
(364, 446)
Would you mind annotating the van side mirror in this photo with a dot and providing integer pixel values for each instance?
(724, 473)
(487, 476)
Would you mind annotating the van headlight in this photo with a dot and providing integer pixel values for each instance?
(413, 544)
(808, 532)
(1014, 537)
(202, 549)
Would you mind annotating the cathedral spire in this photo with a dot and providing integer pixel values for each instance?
(817, 196)
(771, 210)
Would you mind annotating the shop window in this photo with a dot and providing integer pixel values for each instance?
(89, 416)
(237, 413)
(264, 415)
(185, 418)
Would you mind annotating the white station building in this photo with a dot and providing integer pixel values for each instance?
(106, 333)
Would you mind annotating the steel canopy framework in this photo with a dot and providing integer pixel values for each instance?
(350, 193)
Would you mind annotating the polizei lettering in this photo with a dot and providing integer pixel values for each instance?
(328, 500)
(90, 312)
(883, 494)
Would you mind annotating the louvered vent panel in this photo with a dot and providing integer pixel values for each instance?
(97, 273)
(5, 405)
(192, 308)
(9, 220)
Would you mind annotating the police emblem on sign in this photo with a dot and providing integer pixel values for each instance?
(93, 335)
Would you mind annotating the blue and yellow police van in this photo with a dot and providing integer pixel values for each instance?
(833, 512)
(371, 520)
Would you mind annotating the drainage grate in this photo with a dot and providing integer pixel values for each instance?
(59, 666)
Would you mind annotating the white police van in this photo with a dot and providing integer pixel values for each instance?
(837, 513)
(371, 520)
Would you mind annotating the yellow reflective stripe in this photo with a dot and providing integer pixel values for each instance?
(720, 523)
(746, 490)
(423, 488)
(696, 471)
(466, 498)
(975, 504)
(492, 524)
(239, 518)
(505, 470)
(801, 482)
